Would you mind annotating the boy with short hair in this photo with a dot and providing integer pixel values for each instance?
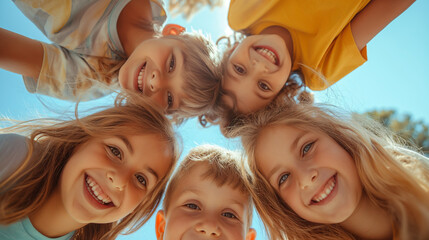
(207, 197)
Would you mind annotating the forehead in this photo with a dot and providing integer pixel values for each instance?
(195, 183)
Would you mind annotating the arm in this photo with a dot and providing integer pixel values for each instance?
(375, 17)
(20, 54)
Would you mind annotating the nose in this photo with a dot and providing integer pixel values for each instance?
(118, 181)
(155, 81)
(208, 228)
(307, 178)
(259, 66)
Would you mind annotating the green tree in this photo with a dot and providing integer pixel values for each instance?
(416, 132)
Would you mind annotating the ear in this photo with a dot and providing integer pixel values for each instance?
(172, 29)
(251, 234)
(160, 225)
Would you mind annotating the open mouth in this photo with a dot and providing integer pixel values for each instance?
(97, 193)
(140, 77)
(326, 191)
(268, 53)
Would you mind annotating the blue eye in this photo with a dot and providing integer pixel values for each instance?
(141, 179)
(283, 178)
(172, 64)
(307, 148)
(239, 69)
(192, 206)
(229, 215)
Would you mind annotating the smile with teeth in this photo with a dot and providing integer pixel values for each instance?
(140, 77)
(330, 185)
(268, 54)
(96, 191)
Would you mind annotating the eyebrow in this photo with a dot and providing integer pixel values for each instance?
(151, 171)
(127, 143)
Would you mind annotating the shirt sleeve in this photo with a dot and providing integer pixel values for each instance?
(341, 58)
(68, 75)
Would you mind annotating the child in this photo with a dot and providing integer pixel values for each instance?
(207, 198)
(106, 41)
(322, 176)
(91, 178)
(320, 41)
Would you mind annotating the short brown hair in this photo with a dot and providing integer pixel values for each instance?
(225, 167)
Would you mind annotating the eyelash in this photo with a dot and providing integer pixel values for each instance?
(116, 152)
(238, 69)
(306, 148)
(229, 215)
(141, 179)
(283, 178)
(170, 99)
(263, 86)
(172, 64)
(192, 206)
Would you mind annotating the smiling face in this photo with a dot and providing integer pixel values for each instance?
(256, 71)
(311, 172)
(106, 179)
(156, 69)
(200, 209)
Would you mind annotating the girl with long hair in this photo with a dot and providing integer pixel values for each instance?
(89, 178)
(322, 175)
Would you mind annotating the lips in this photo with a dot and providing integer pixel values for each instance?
(326, 191)
(268, 53)
(140, 77)
(97, 192)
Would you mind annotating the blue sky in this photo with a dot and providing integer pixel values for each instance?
(396, 76)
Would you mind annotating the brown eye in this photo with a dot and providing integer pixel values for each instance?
(172, 64)
(229, 215)
(263, 86)
(169, 100)
(141, 179)
(115, 151)
(192, 206)
(239, 70)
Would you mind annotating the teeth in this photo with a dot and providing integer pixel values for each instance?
(326, 192)
(96, 190)
(268, 54)
(140, 78)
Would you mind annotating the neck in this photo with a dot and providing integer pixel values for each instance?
(369, 221)
(52, 219)
(283, 33)
(134, 25)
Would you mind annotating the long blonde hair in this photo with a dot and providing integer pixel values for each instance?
(394, 178)
(29, 187)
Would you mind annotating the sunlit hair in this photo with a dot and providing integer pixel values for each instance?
(30, 186)
(394, 178)
(224, 167)
(202, 75)
(294, 91)
(188, 8)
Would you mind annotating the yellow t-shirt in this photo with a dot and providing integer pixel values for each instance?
(320, 30)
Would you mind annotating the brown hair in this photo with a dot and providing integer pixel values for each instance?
(394, 178)
(40, 172)
(224, 167)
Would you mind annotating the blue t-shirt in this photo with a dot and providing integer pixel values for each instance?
(24, 230)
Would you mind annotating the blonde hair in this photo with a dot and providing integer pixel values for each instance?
(202, 75)
(29, 187)
(394, 178)
(224, 167)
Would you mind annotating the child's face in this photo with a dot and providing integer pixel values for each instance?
(311, 172)
(256, 71)
(199, 209)
(156, 69)
(106, 179)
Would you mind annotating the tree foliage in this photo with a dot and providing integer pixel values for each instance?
(415, 132)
